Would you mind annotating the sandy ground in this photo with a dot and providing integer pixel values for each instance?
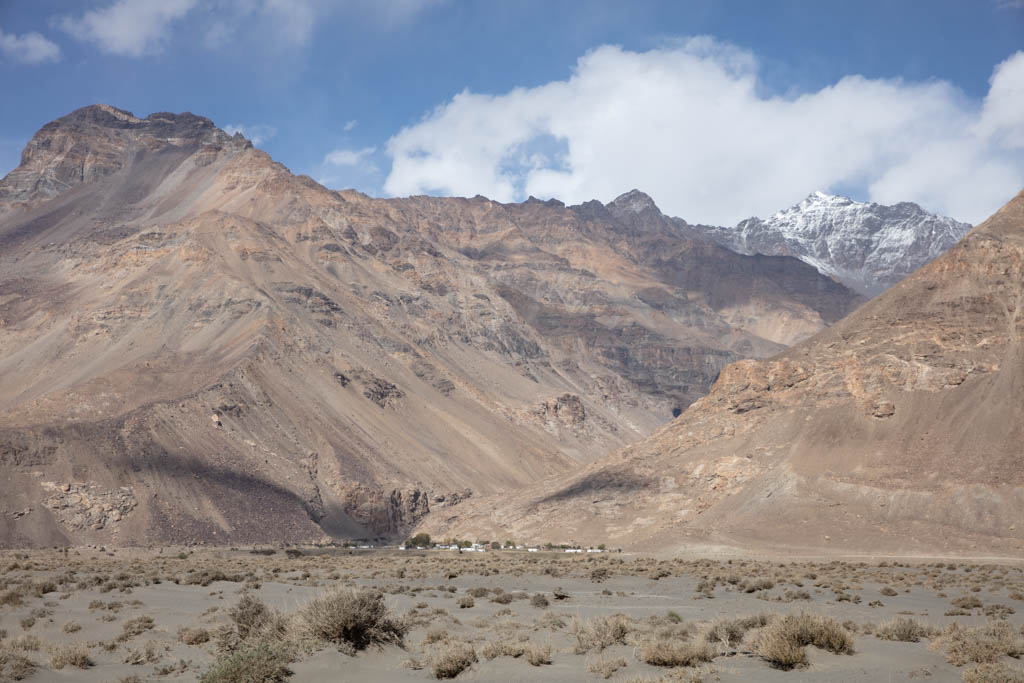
(425, 588)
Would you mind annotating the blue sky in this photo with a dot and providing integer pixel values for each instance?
(720, 109)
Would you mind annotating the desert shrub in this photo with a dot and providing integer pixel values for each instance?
(15, 666)
(145, 655)
(605, 668)
(465, 602)
(72, 627)
(358, 618)
(249, 615)
(70, 655)
(551, 621)
(538, 655)
(600, 633)
(452, 659)
(781, 642)
(502, 598)
(502, 648)
(758, 585)
(997, 672)
(41, 588)
(25, 643)
(663, 652)
(478, 592)
(435, 635)
(135, 627)
(193, 636)
(985, 644)
(731, 631)
(998, 611)
(903, 630)
(560, 594)
(967, 602)
(779, 650)
(538, 600)
(253, 663)
(888, 592)
(10, 598)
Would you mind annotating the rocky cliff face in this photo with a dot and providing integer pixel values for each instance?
(868, 247)
(898, 429)
(219, 351)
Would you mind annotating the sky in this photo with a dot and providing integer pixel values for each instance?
(719, 109)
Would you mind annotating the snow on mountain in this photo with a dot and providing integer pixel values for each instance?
(867, 246)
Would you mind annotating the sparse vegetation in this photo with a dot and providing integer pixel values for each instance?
(358, 618)
(452, 659)
(903, 630)
(781, 643)
(70, 655)
(252, 663)
(600, 633)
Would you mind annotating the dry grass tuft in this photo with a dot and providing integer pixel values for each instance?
(605, 668)
(985, 644)
(537, 654)
(193, 636)
(663, 652)
(781, 643)
(998, 672)
(904, 630)
(252, 663)
(70, 655)
(249, 615)
(730, 632)
(15, 666)
(452, 659)
(600, 633)
(358, 618)
(502, 648)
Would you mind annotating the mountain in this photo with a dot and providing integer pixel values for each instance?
(868, 247)
(199, 346)
(897, 430)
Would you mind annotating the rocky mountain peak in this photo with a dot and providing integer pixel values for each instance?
(633, 201)
(98, 140)
(867, 246)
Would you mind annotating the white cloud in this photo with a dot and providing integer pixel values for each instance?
(129, 27)
(28, 48)
(688, 124)
(257, 133)
(349, 125)
(349, 157)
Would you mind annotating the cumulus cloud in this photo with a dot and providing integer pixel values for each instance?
(690, 125)
(132, 28)
(349, 125)
(257, 133)
(28, 48)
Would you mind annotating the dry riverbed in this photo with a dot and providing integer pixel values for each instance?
(372, 615)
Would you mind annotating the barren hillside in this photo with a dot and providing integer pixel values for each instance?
(197, 345)
(899, 429)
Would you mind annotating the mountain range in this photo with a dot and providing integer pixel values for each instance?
(199, 346)
(897, 430)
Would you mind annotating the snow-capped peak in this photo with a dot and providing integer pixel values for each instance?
(868, 246)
